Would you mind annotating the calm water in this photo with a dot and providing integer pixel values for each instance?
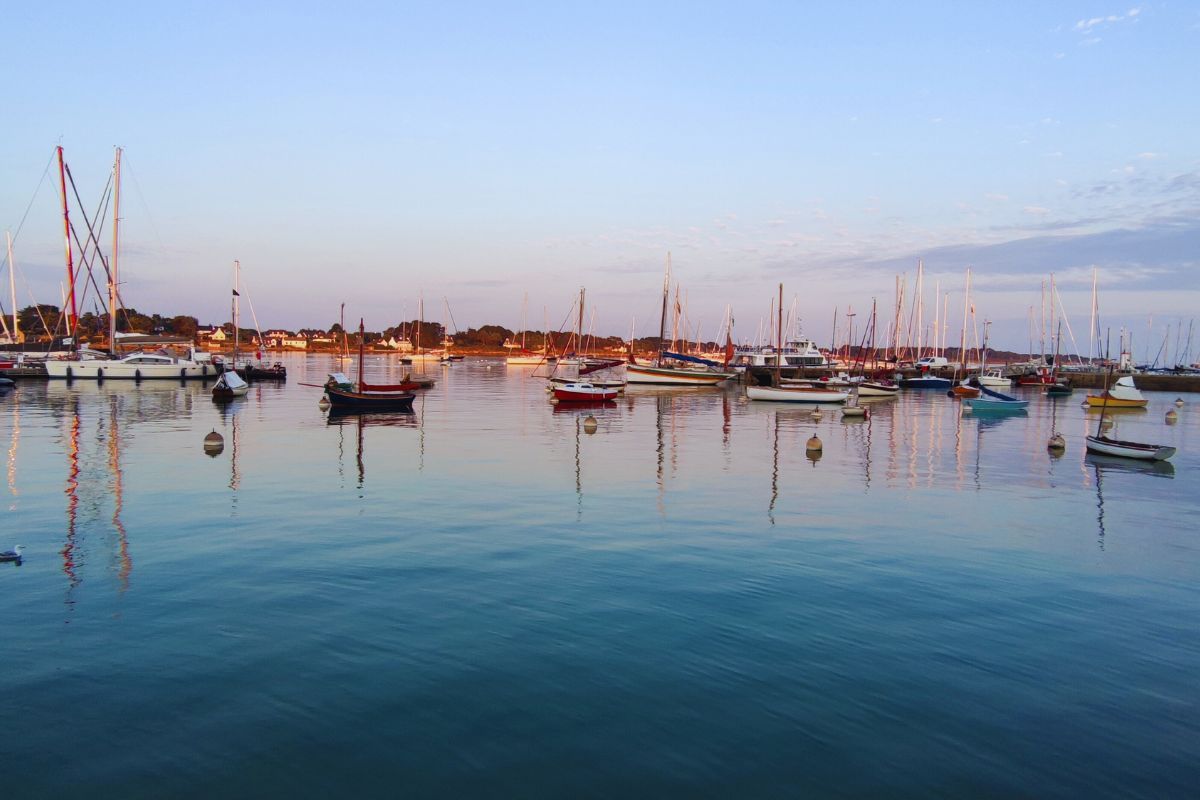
(484, 599)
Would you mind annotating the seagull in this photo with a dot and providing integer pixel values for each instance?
(12, 555)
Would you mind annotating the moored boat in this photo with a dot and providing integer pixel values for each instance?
(229, 386)
(583, 392)
(363, 396)
(1122, 394)
(994, 401)
(1117, 447)
(796, 394)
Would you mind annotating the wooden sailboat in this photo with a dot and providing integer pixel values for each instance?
(1117, 447)
(792, 393)
(675, 369)
(368, 397)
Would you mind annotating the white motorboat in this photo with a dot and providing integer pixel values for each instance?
(994, 378)
(794, 353)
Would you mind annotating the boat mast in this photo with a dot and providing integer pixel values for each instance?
(1092, 333)
(361, 338)
(112, 274)
(962, 341)
(12, 288)
(579, 327)
(779, 341)
(62, 185)
(662, 324)
(236, 266)
(920, 306)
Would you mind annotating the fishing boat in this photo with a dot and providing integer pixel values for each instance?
(583, 392)
(994, 378)
(991, 400)
(367, 397)
(1122, 394)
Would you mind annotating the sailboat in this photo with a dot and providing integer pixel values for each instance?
(964, 388)
(135, 366)
(1122, 394)
(367, 397)
(525, 358)
(1117, 447)
(792, 393)
(1061, 387)
(676, 369)
(230, 384)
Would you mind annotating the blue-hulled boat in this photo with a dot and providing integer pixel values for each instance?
(991, 400)
(926, 382)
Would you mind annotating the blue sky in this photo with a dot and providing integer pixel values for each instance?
(374, 152)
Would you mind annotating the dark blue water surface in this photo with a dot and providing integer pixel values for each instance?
(485, 599)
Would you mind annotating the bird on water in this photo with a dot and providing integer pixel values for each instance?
(12, 555)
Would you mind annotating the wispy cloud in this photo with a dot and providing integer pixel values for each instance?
(1037, 211)
(1085, 25)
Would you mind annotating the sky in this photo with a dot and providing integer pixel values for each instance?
(475, 153)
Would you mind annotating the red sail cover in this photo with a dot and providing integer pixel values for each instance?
(386, 387)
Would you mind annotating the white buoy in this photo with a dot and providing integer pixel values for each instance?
(816, 413)
(1172, 417)
(323, 403)
(1179, 402)
(813, 445)
(1057, 443)
(214, 443)
(589, 424)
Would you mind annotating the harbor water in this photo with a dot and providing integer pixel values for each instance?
(493, 598)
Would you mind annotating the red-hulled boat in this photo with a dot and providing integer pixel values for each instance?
(581, 392)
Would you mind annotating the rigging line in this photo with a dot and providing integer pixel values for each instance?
(126, 164)
(257, 327)
(28, 208)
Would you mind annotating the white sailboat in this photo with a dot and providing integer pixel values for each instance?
(793, 393)
(140, 365)
(230, 384)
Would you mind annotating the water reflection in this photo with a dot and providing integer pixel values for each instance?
(359, 421)
(93, 440)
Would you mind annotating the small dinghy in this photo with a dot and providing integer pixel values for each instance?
(991, 400)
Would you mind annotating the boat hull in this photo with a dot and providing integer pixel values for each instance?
(666, 376)
(873, 389)
(597, 394)
(988, 404)
(927, 382)
(795, 394)
(1099, 401)
(369, 401)
(1115, 447)
(115, 370)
